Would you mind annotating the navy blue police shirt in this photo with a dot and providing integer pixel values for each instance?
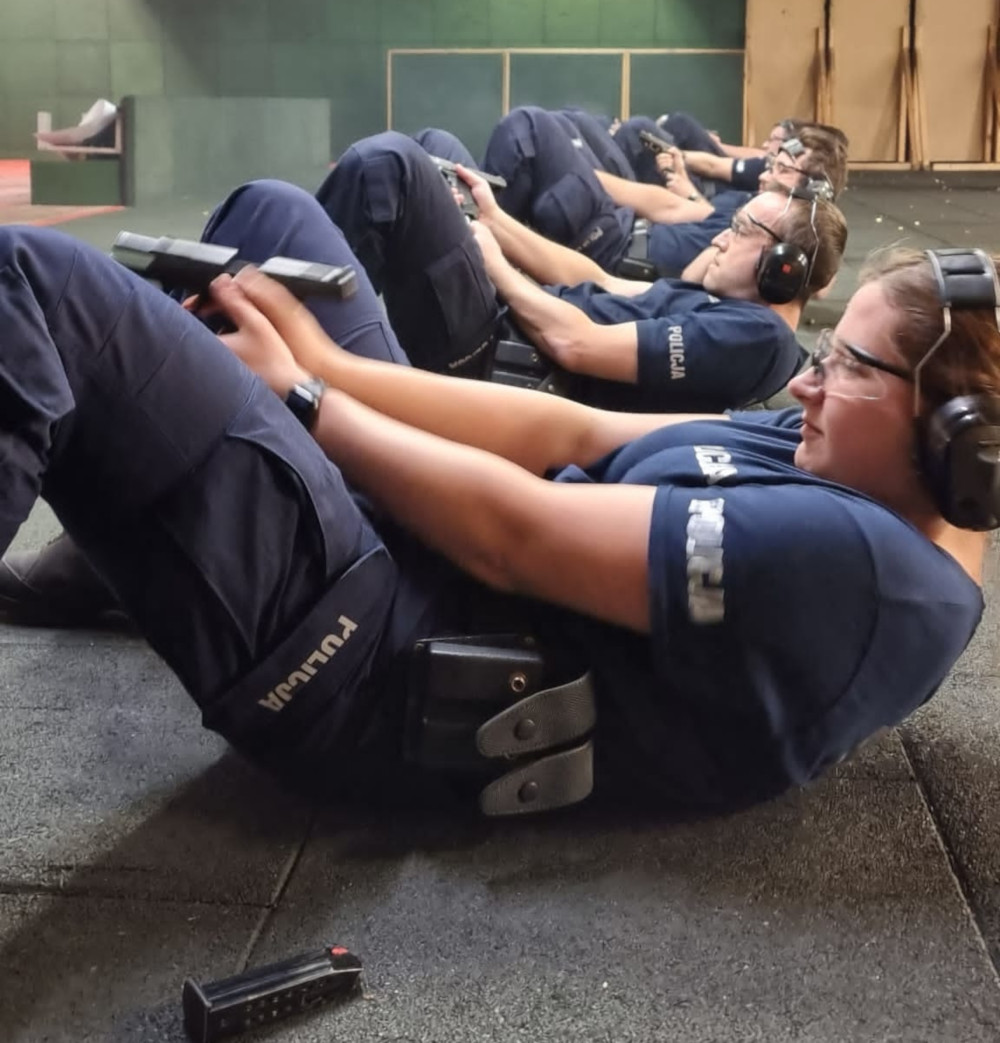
(697, 352)
(791, 618)
(672, 247)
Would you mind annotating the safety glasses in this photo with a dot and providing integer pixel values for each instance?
(845, 370)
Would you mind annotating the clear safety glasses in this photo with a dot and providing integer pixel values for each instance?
(844, 370)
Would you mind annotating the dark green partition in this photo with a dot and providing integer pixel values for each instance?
(203, 147)
(92, 182)
(553, 81)
(709, 86)
(461, 92)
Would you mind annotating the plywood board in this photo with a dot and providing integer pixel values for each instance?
(865, 38)
(781, 63)
(951, 48)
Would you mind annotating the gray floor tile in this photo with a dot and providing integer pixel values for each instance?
(112, 787)
(135, 851)
(954, 744)
(76, 970)
(827, 916)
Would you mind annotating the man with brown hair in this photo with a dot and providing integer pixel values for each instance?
(552, 189)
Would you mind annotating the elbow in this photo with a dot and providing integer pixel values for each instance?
(498, 557)
(564, 351)
(497, 569)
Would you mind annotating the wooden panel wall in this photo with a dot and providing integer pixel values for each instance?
(865, 38)
(951, 48)
(781, 62)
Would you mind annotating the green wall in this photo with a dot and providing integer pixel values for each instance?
(60, 55)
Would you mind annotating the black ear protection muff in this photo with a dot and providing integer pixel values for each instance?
(959, 443)
(783, 270)
(782, 273)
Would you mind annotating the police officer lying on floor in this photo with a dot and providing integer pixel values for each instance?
(706, 168)
(628, 345)
(753, 594)
(551, 188)
(814, 158)
(690, 135)
(604, 145)
(668, 346)
(688, 132)
(722, 171)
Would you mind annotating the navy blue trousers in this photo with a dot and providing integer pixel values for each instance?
(644, 161)
(445, 145)
(604, 147)
(689, 134)
(233, 543)
(552, 187)
(272, 218)
(401, 221)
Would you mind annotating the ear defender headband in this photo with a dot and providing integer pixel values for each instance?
(783, 270)
(959, 443)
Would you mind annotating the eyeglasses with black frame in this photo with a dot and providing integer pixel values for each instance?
(742, 218)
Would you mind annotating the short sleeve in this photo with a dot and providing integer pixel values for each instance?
(762, 605)
(728, 353)
(746, 173)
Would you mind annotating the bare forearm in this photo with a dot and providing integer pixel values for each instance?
(451, 496)
(541, 258)
(552, 324)
(488, 516)
(709, 165)
(533, 430)
(742, 151)
(654, 203)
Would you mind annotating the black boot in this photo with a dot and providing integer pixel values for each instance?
(55, 587)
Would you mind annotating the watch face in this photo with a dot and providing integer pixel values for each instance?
(304, 399)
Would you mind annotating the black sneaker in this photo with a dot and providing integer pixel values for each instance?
(54, 587)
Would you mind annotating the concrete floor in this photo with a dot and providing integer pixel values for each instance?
(136, 851)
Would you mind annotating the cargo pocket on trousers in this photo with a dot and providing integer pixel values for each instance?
(467, 301)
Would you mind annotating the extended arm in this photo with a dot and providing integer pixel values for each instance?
(534, 430)
(707, 164)
(560, 329)
(743, 151)
(544, 260)
(579, 545)
(653, 202)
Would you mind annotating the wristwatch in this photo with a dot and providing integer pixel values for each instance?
(303, 400)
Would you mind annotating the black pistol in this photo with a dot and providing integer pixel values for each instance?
(652, 143)
(468, 206)
(191, 266)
